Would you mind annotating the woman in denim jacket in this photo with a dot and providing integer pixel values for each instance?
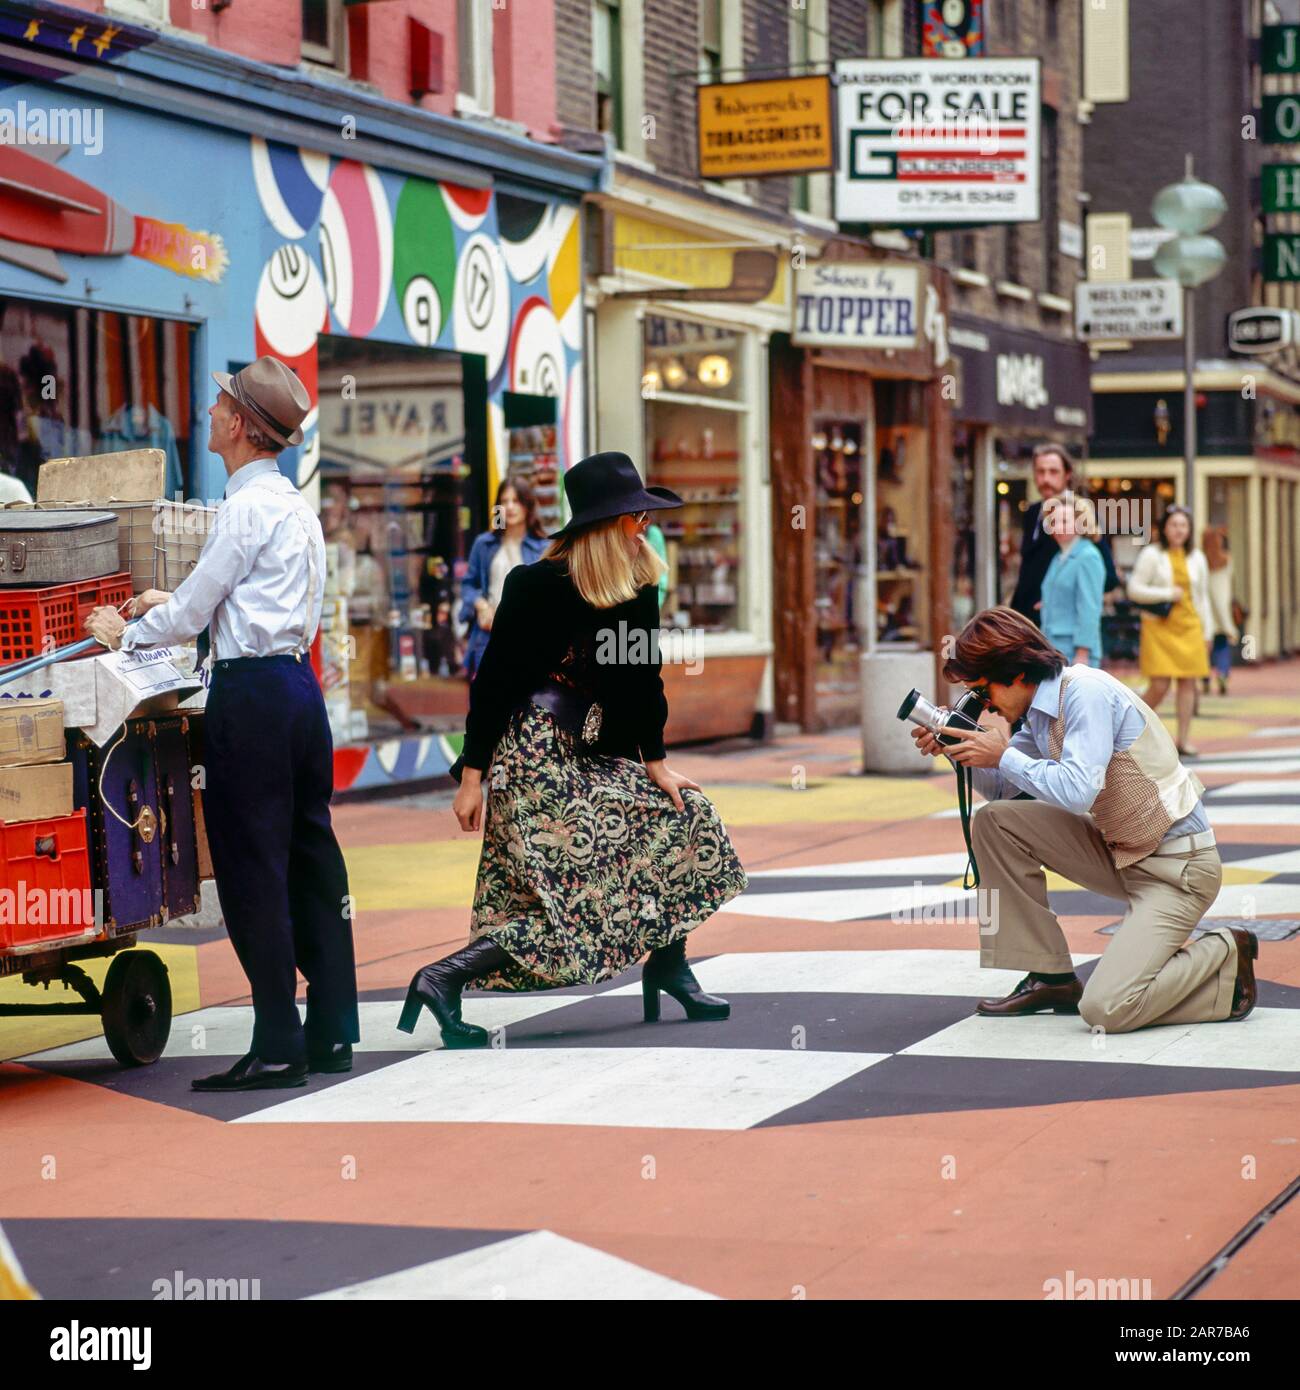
(515, 539)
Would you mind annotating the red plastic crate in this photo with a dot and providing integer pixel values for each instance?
(45, 892)
(33, 621)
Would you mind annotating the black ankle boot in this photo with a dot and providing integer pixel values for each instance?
(668, 971)
(437, 988)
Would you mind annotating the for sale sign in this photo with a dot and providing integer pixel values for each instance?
(930, 142)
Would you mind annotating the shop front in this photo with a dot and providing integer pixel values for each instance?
(1013, 390)
(421, 277)
(1247, 479)
(858, 418)
(681, 384)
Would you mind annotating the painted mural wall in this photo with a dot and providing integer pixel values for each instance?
(265, 246)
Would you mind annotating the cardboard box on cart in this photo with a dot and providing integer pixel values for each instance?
(159, 538)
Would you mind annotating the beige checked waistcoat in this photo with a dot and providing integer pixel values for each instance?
(1146, 788)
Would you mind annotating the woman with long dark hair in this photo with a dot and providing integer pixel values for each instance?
(515, 538)
(1172, 572)
(595, 852)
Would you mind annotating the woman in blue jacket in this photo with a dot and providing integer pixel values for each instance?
(515, 539)
(1070, 611)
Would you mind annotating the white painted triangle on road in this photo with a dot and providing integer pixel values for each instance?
(720, 1088)
(538, 1265)
(1269, 1040)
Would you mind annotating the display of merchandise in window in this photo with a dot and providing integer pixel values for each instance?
(902, 517)
(88, 381)
(695, 426)
(402, 498)
(837, 554)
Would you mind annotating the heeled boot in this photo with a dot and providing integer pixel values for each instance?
(437, 988)
(667, 971)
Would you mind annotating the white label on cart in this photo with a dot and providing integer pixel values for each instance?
(151, 672)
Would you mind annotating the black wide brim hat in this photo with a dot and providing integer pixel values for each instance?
(607, 485)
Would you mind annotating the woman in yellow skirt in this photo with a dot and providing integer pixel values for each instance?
(1173, 648)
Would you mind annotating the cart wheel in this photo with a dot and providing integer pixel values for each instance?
(137, 1010)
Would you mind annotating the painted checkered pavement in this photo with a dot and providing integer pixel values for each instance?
(801, 1145)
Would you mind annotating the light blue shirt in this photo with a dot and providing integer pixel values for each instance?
(1101, 718)
(1072, 589)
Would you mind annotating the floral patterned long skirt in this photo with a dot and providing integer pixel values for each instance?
(586, 864)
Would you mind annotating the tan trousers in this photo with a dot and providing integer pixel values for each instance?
(1147, 974)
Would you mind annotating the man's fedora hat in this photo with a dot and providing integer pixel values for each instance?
(272, 395)
(607, 485)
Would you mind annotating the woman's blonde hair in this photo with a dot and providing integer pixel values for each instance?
(600, 567)
(1085, 514)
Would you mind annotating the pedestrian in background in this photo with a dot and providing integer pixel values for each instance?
(1053, 473)
(595, 851)
(1075, 580)
(1170, 581)
(1218, 561)
(515, 539)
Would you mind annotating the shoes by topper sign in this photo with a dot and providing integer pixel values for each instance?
(754, 130)
(927, 142)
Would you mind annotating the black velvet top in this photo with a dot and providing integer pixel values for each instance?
(544, 629)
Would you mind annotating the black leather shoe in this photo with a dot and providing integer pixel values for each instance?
(1032, 996)
(1244, 991)
(667, 971)
(251, 1073)
(331, 1057)
(437, 988)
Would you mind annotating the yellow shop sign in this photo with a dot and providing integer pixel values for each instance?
(750, 130)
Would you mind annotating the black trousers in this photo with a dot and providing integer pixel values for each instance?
(279, 870)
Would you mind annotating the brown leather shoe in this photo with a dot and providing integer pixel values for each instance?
(1032, 996)
(1245, 991)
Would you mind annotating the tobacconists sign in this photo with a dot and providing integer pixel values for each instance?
(751, 130)
(938, 141)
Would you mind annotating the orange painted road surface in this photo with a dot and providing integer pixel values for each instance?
(852, 1131)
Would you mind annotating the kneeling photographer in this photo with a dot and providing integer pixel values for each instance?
(1115, 812)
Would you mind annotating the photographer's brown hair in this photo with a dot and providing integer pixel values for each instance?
(1000, 644)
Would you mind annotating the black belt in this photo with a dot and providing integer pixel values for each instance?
(573, 711)
(226, 663)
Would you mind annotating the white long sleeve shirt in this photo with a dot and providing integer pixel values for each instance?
(260, 581)
(1101, 718)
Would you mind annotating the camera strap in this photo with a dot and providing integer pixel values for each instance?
(965, 804)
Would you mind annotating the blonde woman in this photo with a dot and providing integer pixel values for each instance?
(595, 851)
(1172, 572)
(1214, 542)
(1070, 614)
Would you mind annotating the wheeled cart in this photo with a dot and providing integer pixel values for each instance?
(135, 851)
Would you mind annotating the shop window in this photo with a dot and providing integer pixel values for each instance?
(403, 495)
(902, 514)
(837, 558)
(963, 528)
(696, 415)
(84, 381)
